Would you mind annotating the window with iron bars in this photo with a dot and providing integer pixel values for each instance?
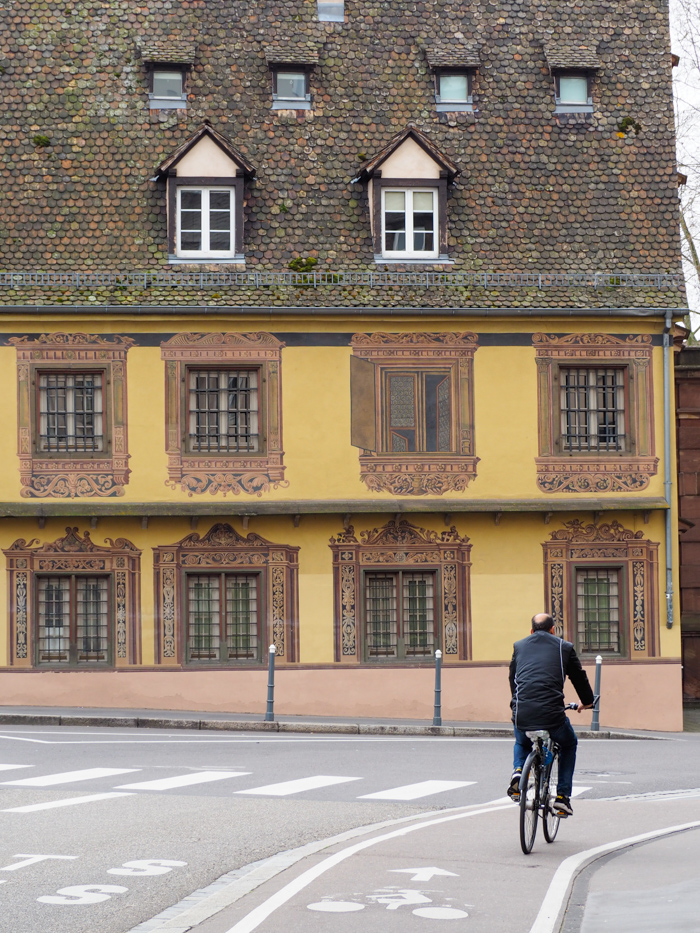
(224, 411)
(71, 407)
(223, 617)
(598, 610)
(592, 409)
(73, 620)
(399, 615)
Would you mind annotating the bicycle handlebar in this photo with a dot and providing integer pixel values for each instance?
(575, 705)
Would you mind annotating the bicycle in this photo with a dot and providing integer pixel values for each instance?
(538, 788)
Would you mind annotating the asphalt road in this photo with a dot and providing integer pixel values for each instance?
(163, 814)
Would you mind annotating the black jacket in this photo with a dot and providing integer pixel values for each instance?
(540, 665)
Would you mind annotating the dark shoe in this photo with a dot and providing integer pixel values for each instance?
(514, 786)
(562, 806)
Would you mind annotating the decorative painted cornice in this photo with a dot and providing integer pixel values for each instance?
(222, 535)
(422, 339)
(73, 543)
(576, 532)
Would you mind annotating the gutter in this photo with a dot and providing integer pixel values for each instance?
(668, 488)
(125, 310)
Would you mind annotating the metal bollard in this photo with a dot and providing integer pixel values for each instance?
(437, 715)
(595, 720)
(270, 713)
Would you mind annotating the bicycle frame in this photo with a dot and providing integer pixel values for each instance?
(536, 797)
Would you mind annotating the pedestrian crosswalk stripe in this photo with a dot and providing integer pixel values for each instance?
(68, 777)
(414, 791)
(182, 780)
(66, 802)
(298, 786)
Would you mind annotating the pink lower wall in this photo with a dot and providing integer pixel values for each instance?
(634, 696)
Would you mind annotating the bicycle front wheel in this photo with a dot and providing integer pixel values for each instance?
(529, 804)
(550, 819)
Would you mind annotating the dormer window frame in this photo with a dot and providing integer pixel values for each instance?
(447, 105)
(280, 102)
(561, 106)
(158, 102)
(439, 186)
(236, 185)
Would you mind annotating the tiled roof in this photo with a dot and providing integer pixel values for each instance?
(446, 163)
(177, 51)
(292, 53)
(538, 192)
(453, 54)
(560, 55)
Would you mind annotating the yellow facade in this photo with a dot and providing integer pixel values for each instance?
(504, 513)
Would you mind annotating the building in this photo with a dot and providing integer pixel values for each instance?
(687, 371)
(343, 329)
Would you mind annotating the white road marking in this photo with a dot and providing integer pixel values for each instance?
(182, 780)
(336, 907)
(14, 767)
(82, 894)
(146, 866)
(50, 805)
(298, 786)
(415, 791)
(558, 892)
(253, 920)
(423, 874)
(69, 777)
(33, 859)
(440, 913)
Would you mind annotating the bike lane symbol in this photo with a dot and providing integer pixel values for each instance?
(395, 898)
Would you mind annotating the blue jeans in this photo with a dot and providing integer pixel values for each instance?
(565, 737)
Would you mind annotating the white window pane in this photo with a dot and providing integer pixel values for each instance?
(291, 84)
(454, 87)
(573, 89)
(422, 201)
(167, 83)
(395, 200)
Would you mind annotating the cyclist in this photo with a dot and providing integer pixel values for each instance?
(540, 665)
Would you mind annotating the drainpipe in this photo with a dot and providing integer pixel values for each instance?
(668, 486)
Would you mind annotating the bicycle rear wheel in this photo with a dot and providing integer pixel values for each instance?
(529, 803)
(550, 819)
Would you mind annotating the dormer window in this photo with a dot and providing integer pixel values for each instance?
(290, 88)
(168, 63)
(454, 65)
(408, 182)
(291, 66)
(573, 68)
(205, 181)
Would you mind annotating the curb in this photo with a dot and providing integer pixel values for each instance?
(317, 728)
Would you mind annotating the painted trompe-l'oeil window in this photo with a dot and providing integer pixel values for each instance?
(224, 413)
(72, 428)
(601, 587)
(222, 599)
(401, 592)
(596, 412)
(413, 411)
(74, 603)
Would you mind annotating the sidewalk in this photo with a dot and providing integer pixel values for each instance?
(253, 722)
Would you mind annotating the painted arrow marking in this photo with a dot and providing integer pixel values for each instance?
(424, 874)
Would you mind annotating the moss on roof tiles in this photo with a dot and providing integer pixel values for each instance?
(537, 192)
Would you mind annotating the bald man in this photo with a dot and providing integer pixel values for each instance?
(539, 667)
